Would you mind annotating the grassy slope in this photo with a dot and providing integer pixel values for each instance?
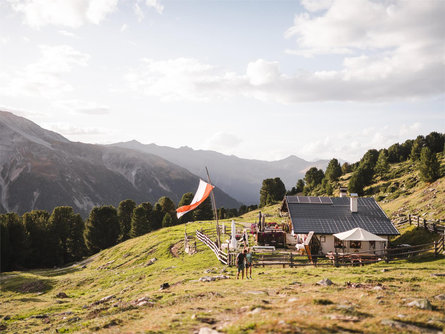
(284, 300)
(404, 193)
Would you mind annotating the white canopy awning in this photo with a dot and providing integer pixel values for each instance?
(358, 234)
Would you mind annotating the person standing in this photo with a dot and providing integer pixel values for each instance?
(240, 258)
(248, 263)
(244, 238)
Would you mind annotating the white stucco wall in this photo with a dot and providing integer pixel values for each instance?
(327, 245)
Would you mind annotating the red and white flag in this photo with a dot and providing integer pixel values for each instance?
(204, 190)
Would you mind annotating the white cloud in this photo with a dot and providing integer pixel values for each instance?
(124, 27)
(393, 50)
(176, 79)
(155, 4)
(43, 78)
(361, 79)
(316, 5)
(222, 141)
(68, 34)
(70, 130)
(351, 145)
(69, 13)
(351, 26)
(82, 107)
(138, 12)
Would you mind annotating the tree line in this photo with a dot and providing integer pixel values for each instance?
(39, 239)
(422, 152)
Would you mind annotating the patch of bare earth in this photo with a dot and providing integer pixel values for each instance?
(176, 249)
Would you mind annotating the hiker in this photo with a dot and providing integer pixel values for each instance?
(240, 258)
(248, 263)
(244, 238)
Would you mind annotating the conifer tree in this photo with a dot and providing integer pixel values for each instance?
(204, 211)
(333, 170)
(382, 166)
(124, 213)
(429, 167)
(13, 241)
(75, 243)
(102, 228)
(167, 220)
(140, 221)
(186, 199)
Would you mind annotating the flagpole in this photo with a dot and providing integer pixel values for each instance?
(215, 212)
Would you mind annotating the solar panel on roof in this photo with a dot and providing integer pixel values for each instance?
(292, 199)
(337, 217)
(314, 200)
(325, 200)
(303, 199)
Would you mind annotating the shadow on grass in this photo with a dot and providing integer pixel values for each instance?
(22, 283)
(428, 257)
(57, 271)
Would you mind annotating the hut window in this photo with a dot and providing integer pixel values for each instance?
(355, 244)
(323, 238)
(338, 243)
(372, 244)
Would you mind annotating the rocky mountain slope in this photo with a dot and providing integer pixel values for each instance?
(241, 178)
(40, 169)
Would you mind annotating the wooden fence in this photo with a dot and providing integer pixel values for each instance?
(436, 226)
(220, 255)
(290, 259)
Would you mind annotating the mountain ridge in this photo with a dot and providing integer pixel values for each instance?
(40, 169)
(240, 177)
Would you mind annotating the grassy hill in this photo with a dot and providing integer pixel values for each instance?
(118, 291)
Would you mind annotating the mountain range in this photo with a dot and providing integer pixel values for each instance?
(241, 178)
(41, 169)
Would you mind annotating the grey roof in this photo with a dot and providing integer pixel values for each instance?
(329, 215)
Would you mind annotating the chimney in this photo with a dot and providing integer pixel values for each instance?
(343, 191)
(354, 206)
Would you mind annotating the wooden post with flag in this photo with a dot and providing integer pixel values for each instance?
(215, 212)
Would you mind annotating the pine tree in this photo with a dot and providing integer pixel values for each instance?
(140, 221)
(382, 166)
(186, 199)
(333, 170)
(167, 220)
(75, 243)
(357, 182)
(102, 228)
(124, 213)
(167, 205)
(204, 211)
(13, 241)
(429, 167)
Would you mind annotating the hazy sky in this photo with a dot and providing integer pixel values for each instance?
(259, 79)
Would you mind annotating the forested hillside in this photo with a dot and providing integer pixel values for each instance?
(405, 178)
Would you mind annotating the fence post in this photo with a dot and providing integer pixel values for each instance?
(262, 259)
(409, 219)
(291, 261)
(435, 249)
(418, 221)
(385, 254)
(443, 242)
(424, 224)
(336, 258)
(434, 228)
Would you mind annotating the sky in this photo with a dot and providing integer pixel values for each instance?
(259, 79)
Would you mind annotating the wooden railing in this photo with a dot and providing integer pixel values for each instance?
(436, 226)
(220, 255)
(346, 259)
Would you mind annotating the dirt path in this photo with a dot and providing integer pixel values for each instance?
(175, 249)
